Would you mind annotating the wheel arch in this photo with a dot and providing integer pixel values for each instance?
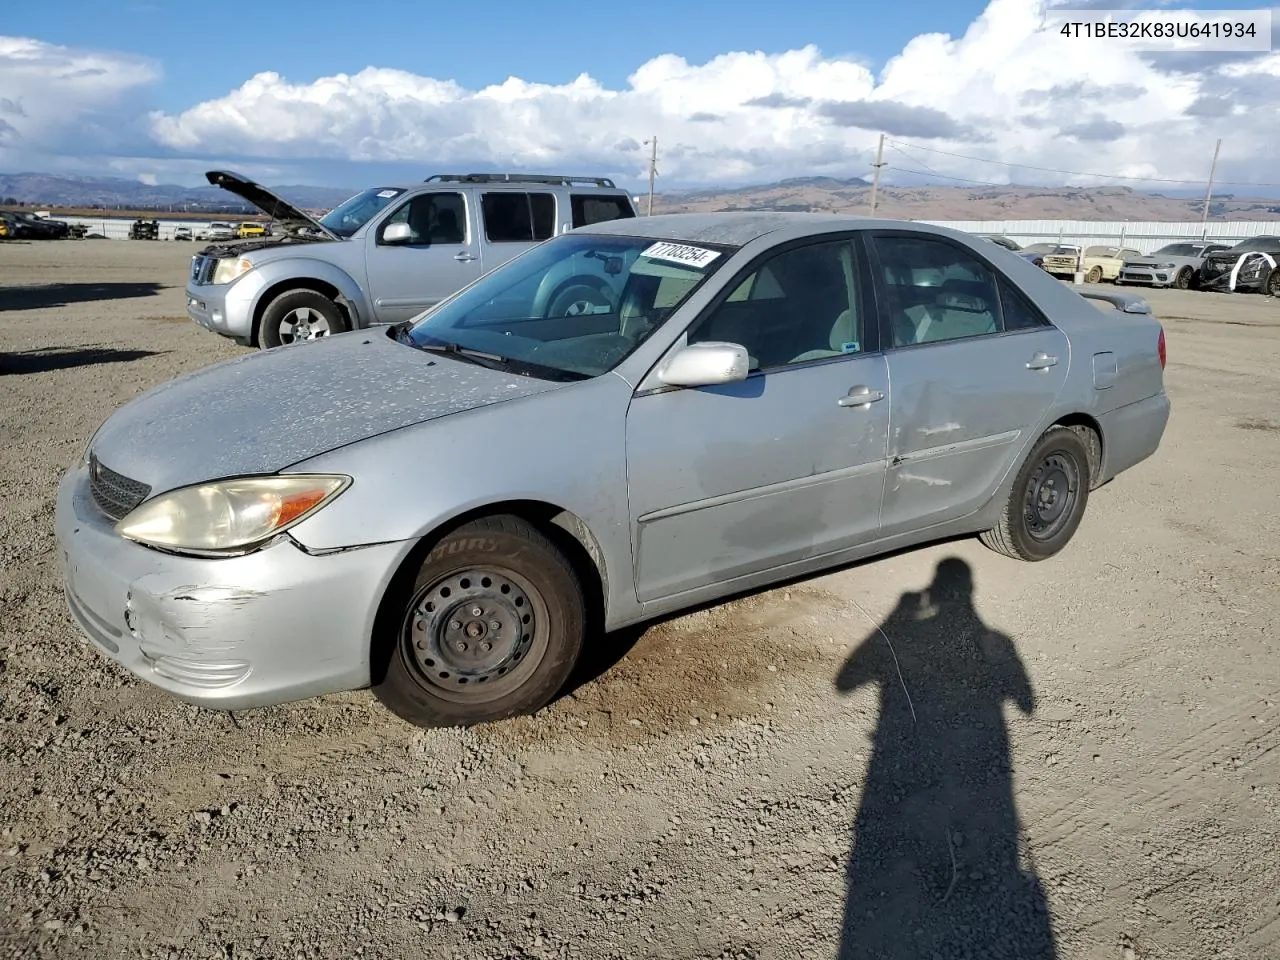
(565, 529)
(1091, 432)
(297, 283)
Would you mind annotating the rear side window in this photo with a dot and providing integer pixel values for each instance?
(511, 217)
(591, 209)
(1016, 313)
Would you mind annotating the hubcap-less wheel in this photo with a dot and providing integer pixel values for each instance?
(1050, 493)
(1273, 283)
(477, 634)
(303, 323)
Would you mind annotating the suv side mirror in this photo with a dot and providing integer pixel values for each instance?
(397, 233)
(706, 364)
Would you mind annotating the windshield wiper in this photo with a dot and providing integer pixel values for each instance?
(465, 353)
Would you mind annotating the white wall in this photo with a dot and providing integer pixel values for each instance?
(1146, 236)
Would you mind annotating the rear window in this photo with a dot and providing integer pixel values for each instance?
(594, 209)
(511, 217)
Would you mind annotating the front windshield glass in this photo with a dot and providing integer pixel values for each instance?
(1177, 250)
(354, 212)
(571, 308)
(1258, 245)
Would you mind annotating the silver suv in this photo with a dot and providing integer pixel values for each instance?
(388, 253)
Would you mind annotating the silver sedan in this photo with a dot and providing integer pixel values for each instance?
(448, 509)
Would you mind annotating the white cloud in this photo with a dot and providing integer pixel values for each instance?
(57, 100)
(1001, 90)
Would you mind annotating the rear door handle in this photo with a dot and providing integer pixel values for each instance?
(860, 397)
(1041, 361)
(463, 257)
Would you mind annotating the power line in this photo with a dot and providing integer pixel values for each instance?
(1075, 173)
(934, 173)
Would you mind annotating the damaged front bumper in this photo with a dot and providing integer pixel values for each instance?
(1247, 273)
(230, 633)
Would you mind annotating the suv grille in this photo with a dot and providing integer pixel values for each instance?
(114, 494)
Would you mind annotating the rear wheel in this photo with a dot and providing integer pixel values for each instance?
(1271, 286)
(491, 628)
(299, 315)
(1048, 498)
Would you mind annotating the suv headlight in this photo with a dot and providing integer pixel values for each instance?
(228, 270)
(229, 516)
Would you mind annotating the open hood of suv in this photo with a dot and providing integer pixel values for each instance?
(266, 201)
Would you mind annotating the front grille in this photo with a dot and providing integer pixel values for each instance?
(115, 494)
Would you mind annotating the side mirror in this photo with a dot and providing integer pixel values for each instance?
(397, 233)
(706, 364)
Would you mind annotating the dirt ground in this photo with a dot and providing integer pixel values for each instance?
(1086, 766)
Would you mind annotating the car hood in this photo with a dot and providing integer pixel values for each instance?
(269, 203)
(266, 411)
(1152, 260)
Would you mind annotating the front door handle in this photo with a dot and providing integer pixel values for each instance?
(463, 257)
(1041, 361)
(860, 397)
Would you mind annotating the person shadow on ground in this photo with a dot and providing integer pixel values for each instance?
(938, 867)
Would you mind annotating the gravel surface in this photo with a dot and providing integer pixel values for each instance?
(1072, 759)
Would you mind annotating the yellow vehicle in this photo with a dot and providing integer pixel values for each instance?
(251, 229)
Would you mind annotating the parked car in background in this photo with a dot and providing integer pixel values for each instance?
(1101, 262)
(182, 233)
(23, 225)
(1035, 253)
(1252, 265)
(217, 231)
(251, 228)
(145, 230)
(388, 253)
(450, 508)
(1173, 265)
(1001, 240)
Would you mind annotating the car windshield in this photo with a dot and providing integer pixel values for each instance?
(1257, 244)
(1178, 250)
(354, 212)
(571, 308)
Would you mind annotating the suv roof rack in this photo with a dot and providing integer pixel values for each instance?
(563, 181)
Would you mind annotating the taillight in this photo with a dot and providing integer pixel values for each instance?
(1160, 348)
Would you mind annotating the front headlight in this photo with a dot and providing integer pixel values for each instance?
(229, 515)
(1162, 266)
(228, 270)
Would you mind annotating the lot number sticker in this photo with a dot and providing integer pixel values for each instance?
(681, 253)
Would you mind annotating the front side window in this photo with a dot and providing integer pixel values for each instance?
(509, 318)
(799, 305)
(511, 217)
(432, 218)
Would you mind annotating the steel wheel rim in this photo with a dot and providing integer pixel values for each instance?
(303, 323)
(461, 656)
(1050, 495)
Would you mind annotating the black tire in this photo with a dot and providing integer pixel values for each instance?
(445, 665)
(281, 320)
(1271, 285)
(1033, 525)
(1094, 275)
(1183, 280)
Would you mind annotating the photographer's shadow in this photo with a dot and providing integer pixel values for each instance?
(938, 868)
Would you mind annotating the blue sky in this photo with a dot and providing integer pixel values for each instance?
(551, 43)
(317, 91)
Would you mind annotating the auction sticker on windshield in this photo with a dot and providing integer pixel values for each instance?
(680, 253)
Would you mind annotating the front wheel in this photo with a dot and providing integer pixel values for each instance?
(492, 627)
(1271, 286)
(1183, 280)
(1094, 275)
(1047, 501)
(299, 315)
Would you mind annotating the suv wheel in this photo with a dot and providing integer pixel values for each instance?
(299, 315)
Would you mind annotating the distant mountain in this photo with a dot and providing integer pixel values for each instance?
(118, 193)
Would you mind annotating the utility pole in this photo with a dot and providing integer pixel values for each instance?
(653, 169)
(875, 179)
(1208, 194)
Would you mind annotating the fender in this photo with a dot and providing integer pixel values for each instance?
(1235, 271)
(295, 271)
